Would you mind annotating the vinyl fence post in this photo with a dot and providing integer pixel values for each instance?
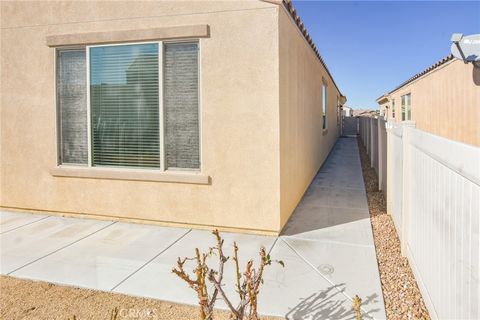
(390, 167)
(367, 135)
(381, 164)
(372, 142)
(360, 123)
(363, 131)
(408, 126)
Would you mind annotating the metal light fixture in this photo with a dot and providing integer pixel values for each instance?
(466, 48)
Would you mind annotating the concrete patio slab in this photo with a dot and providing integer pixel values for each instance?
(29, 244)
(105, 258)
(156, 279)
(12, 220)
(298, 291)
(327, 247)
(346, 264)
(331, 224)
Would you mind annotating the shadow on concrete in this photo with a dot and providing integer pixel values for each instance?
(330, 303)
(336, 195)
(326, 218)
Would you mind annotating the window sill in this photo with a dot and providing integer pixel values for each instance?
(325, 131)
(130, 174)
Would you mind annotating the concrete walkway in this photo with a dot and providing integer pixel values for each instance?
(327, 247)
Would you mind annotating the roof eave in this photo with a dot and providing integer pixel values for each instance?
(287, 5)
(382, 99)
(433, 67)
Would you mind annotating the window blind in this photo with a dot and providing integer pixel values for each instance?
(124, 105)
(181, 118)
(72, 106)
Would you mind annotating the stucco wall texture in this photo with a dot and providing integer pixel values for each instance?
(445, 102)
(261, 123)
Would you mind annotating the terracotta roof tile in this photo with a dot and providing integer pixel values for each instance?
(296, 18)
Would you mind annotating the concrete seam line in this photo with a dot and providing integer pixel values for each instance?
(316, 270)
(273, 245)
(150, 260)
(65, 246)
(24, 225)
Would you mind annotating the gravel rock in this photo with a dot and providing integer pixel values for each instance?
(403, 299)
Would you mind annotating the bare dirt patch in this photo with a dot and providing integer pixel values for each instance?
(26, 299)
(400, 291)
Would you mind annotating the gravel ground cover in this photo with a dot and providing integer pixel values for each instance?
(27, 299)
(400, 291)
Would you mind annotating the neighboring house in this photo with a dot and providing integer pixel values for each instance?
(383, 112)
(444, 100)
(364, 113)
(198, 113)
(347, 111)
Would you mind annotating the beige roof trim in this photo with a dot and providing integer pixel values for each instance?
(177, 32)
(383, 99)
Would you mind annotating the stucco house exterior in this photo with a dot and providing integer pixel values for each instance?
(201, 114)
(443, 99)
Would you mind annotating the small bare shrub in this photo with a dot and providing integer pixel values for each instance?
(247, 283)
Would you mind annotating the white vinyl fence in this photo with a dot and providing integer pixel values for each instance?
(374, 137)
(434, 198)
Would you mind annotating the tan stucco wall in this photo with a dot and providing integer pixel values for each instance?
(303, 143)
(239, 114)
(445, 102)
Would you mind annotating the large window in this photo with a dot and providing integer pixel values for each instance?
(324, 104)
(141, 109)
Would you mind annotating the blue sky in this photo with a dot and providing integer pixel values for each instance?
(371, 47)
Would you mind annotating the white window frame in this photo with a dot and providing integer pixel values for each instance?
(160, 44)
(407, 97)
(324, 104)
(409, 106)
